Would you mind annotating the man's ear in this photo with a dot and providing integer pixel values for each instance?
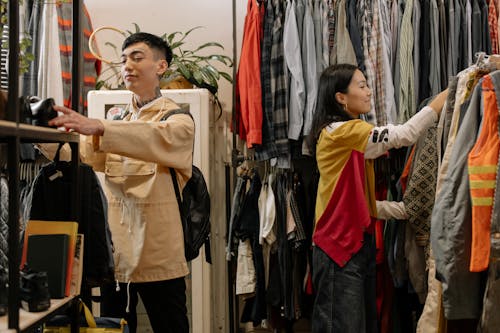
(162, 67)
(341, 98)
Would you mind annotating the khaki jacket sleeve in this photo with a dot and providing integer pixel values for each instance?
(89, 153)
(168, 143)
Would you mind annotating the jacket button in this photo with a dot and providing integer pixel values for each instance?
(496, 235)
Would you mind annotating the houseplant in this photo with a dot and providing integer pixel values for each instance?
(196, 66)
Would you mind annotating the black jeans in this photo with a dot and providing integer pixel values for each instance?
(165, 303)
(345, 298)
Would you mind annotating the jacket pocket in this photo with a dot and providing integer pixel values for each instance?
(129, 168)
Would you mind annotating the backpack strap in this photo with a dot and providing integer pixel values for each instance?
(208, 254)
(176, 188)
(176, 111)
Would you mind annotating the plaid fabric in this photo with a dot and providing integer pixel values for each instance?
(90, 64)
(372, 40)
(279, 86)
(268, 148)
(493, 25)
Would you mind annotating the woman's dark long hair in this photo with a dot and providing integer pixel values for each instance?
(334, 79)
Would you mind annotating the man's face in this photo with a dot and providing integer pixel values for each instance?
(141, 68)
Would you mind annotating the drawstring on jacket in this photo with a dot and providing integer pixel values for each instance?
(127, 309)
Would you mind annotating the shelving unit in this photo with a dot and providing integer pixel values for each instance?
(13, 133)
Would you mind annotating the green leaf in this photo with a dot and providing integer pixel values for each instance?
(211, 69)
(184, 71)
(176, 45)
(198, 77)
(171, 36)
(214, 44)
(137, 29)
(221, 58)
(189, 31)
(226, 76)
(99, 84)
(209, 77)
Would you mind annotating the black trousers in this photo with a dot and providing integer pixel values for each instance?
(165, 303)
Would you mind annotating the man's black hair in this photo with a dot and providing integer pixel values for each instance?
(153, 41)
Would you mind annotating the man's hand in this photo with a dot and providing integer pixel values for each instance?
(72, 120)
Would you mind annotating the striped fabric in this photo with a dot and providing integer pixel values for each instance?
(4, 54)
(406, 100)
(91, 67)
(482, 167)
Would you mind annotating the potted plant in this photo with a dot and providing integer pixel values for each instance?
(187, 68)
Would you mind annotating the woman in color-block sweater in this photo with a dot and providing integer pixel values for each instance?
(344, 247)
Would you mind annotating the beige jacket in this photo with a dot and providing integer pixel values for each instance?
(135, 154)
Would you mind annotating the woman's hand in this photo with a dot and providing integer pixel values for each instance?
(73, 120)
(438, 102)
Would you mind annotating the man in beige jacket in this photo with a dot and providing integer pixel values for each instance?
(135, 154)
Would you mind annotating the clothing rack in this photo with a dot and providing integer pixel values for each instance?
(13, 133)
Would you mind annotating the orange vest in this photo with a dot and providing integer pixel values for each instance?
(482, 165)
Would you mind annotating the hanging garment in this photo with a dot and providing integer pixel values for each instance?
(90, 65)
(279, 81)
(49, 63)
(407, 105)
(267, 218)
(485, 30)
(246, 279)
(490, 321)
(267, 149)
(343, 52)
(482, 167)
(385, 93)
(309, 66)
(30, 81)
(435, 51)
(249, 90)
(452, 53)
(255, 309)
(4, 222)
(451, 224)
(369, 39)
(293, 60)
(238, 197)
(354, 32)
(493, 26)
(424, 89)
(420, 193)
(325, 35)
(443, 43)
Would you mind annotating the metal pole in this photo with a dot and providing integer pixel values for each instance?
(13, 166)
(76, 57)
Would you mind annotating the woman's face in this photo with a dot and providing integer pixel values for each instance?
(357, 99)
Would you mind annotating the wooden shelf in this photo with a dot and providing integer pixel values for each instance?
(29, 319)
(35, 134)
